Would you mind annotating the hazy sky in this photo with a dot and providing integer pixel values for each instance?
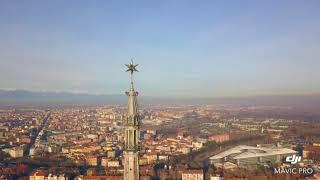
(184, 48)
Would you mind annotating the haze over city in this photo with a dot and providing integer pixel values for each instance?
(184, 48)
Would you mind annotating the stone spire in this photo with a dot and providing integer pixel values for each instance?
(131, 131)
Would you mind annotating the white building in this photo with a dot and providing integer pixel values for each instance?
(113, 163)
(16, 152)
(54, 177)
(216, 178)
(251, 155)
(193, 175)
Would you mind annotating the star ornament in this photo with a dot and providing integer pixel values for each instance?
(132, 67)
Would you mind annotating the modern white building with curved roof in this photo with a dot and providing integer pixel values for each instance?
(251, 155)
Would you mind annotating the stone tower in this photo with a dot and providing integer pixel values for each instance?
(131, 131)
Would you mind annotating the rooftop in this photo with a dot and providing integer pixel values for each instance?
(242, 152)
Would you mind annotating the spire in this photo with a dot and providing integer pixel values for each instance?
(132, 94)
(131, 131)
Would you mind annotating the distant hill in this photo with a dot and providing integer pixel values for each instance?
(22, 97)
(25, 97)
(31, 95)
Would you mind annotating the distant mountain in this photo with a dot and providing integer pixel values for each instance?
(30, 97)
(25, 97)
(24, 94)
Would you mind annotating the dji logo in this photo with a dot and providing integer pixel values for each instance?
(293, 159)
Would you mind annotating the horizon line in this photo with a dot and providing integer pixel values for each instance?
(162, 96)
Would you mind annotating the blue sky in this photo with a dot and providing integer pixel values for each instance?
(183, 48)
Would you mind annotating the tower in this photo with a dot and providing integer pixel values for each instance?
(131, 131)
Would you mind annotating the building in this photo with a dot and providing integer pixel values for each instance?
(111, 154)
(220, 138)
(212, 177)
(32, 151)
(197, 145)
(131, 132)
(54, 177)
(37, 175)
(16, 152)
(192, 175)
(113, 163)
(81, 177)
(151, 157)
(92, 160)
(104, 161)
(311, 152)
(244, 155)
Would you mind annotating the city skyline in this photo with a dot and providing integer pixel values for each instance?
(187, 49)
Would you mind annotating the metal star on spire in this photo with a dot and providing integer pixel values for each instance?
(131, 67)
